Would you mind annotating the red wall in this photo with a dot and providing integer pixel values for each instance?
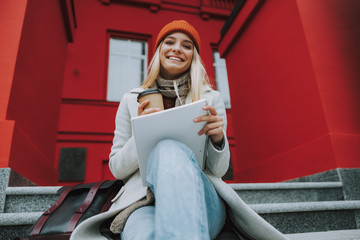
(11, 14)
(292, 66)
(86, 119)
(294, 87)
(333, 35)
(89, 53)
(35, 96)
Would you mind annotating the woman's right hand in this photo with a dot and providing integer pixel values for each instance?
(143, 111)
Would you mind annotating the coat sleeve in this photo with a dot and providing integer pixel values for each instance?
(123, 156)
(217, 161)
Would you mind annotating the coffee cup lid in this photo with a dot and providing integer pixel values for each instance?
(146, 92)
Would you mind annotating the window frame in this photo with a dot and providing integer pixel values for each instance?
(215, 64)
(125, 36)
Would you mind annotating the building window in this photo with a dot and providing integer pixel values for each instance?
(127, 66)
(222, 83)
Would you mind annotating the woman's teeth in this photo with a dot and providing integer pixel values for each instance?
(175, 58)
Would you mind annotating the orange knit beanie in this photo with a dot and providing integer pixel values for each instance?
(179, 26)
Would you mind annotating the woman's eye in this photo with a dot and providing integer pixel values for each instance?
(187, 46)
(169, 42)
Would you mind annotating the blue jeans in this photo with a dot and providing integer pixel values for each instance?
(187, 206)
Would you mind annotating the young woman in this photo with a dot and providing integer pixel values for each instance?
(186, 203)
(181, 201)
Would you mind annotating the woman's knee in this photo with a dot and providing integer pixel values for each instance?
(170, 149)
(170, 158)
(166, 144)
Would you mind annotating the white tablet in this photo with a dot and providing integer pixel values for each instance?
(175, 123)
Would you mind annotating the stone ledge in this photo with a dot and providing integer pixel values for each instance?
(330, 235)
(305, 207)
(31, 190)
(29, 203)
(14, 219)
(313, 221)
(277, 186)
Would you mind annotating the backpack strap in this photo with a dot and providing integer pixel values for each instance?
(47, 213)
(84, 206)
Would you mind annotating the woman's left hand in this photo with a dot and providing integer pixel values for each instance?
(214, 126)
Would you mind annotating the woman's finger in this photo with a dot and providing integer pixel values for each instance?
(142, 110)
(211, 109)
(214, 131)
(212, 115)
(209, 127)
(142, 106)
(150, 110)
(208, 118)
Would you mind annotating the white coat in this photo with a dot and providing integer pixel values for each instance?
(124, 165)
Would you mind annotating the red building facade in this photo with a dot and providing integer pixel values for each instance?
(293, 75)
(291, 69)
(34, 38)
(86, 117)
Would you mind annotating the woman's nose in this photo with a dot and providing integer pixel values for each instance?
(176, 47)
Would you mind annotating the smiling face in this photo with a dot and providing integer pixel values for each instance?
(176, 54)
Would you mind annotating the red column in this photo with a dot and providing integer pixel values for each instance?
(33, 49)
(333, 36)
(294, 85)
(12, 15)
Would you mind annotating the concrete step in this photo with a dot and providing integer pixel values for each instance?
(16, 224)
(330, 235)
(289, 207)
(29, 199)
(311, 216)
(37, 199)
(289, 192)
(289, 218)
(14, 219)
(16, 231)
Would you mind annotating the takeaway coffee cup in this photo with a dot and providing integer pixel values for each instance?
(155, 97)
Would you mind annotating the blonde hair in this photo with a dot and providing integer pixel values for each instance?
(199, 77)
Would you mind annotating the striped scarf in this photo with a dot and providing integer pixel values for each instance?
(177, 88)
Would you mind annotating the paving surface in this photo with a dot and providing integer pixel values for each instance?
(331, 235)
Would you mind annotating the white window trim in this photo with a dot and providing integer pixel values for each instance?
(112, 95)
(222, 87)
